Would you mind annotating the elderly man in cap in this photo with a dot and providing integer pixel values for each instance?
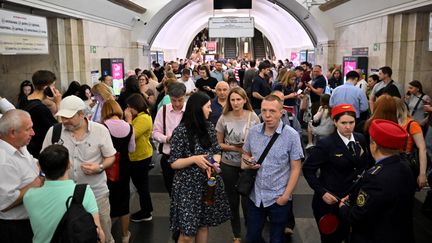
(91, 151)
(381, 206)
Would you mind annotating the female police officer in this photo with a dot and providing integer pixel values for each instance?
(341, 159)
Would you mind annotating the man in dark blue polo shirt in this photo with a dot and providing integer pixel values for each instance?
(218, 103)
(317, 87)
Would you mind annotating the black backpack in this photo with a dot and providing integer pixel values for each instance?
(77, 225)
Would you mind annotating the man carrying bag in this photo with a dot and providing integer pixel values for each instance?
(277, 174)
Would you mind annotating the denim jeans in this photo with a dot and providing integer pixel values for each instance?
(257, 216)
(428, 139)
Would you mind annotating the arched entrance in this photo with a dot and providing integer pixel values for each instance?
(286, 24)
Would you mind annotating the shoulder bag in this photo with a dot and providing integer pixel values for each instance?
(246, 181)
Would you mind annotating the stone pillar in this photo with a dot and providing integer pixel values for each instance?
(325, 54)
(140, 55)
(399, 52)
(408, 54)
(74, 50)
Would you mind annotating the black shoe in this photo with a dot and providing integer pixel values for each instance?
(141, 216)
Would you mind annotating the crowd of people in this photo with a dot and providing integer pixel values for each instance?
(367, 150)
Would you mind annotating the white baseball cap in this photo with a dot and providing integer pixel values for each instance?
(70, 105)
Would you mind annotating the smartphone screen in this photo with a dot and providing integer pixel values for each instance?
(299, 91)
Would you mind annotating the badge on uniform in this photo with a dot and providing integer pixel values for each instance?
(338, 155)
(375, 169)
(361, 198)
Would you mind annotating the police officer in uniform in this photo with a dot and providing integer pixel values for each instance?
(341, 158)
(381, 205)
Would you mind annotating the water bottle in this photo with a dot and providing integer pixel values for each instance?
(209, 197)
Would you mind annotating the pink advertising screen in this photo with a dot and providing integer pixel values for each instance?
(117, 75)
(349, 66)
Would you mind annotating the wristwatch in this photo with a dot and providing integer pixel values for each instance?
(101, 168)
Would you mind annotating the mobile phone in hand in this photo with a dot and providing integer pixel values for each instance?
(48, 92)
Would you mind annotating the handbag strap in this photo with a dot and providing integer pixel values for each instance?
(417, 104)
(164, 119)
(247, 126)
(404, 148)
(269, 145)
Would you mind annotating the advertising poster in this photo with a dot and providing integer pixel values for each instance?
(117, 75)
(295, 58)
(211, 46)
(94, 76)
(349, 66)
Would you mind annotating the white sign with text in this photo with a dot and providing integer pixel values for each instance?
(231, 27)
(22, 33)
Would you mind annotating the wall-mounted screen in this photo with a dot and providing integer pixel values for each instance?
(232, 4)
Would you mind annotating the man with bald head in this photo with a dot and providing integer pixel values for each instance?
(18, 173)
(218, 102)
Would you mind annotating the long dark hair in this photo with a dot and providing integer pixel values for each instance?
(418, 85)
(132, 85)
(73, 89)
(22, 98)
(82, 91)
(195, 122)
(137, 102)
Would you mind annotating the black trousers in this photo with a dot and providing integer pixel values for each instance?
(139, 173)
(320, 208)
(16, 231)
(230, 175)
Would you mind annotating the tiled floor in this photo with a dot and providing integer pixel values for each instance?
(157, 231)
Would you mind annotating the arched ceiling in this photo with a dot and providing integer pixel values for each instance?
(282, 30)
(286, 24)
(273, 17)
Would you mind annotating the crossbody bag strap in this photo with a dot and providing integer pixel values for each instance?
(417, 104)
(56, 133)
(79, 193)
(164, 119)
(406, 140)
(269, 145)
(248, 126)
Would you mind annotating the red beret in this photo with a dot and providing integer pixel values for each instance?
(387, 134)
(341, 109)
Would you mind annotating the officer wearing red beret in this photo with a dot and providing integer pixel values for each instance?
(381, 206)
(341, 158)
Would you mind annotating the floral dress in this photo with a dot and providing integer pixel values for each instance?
(188, 212)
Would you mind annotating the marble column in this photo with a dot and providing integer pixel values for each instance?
(325, 54)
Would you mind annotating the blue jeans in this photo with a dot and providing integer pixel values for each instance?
(428, 140)
(257, 216)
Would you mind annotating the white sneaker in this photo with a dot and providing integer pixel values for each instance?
(309, 145)
(288, 231)
(125, 239)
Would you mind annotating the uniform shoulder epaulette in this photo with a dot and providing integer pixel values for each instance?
(375, 169)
